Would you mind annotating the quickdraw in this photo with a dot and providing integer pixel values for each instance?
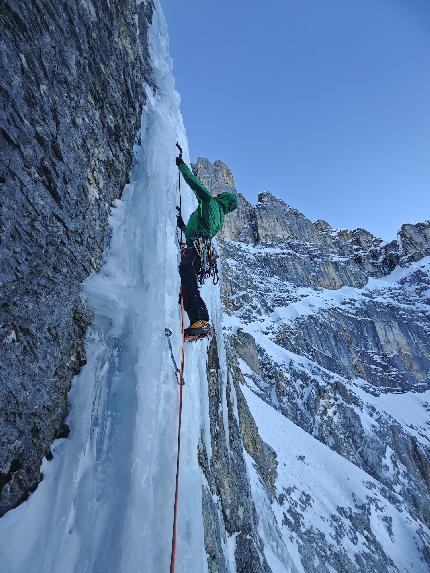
(168, 333)
(208, 257)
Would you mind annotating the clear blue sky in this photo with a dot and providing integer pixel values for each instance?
(324, 103)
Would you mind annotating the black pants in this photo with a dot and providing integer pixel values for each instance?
(188, 269)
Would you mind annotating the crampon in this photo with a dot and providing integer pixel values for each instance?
(197, 331)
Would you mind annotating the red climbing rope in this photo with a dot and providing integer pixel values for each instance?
(175, 507)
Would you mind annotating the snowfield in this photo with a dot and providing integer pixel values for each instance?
(316, 485)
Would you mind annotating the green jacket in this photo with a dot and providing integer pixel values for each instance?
(208, 218)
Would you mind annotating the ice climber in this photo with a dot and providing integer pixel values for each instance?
(197, 255)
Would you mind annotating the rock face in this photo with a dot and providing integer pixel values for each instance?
(330, 331)
(73, 78)
(228, 492)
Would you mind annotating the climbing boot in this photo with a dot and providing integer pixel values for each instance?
(199, 329)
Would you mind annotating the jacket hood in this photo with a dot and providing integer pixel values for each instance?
(228, 201)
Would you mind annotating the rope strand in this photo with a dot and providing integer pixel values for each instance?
(181, 383)
(176, 504)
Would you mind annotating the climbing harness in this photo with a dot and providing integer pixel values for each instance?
(208, 257)
(176, 504)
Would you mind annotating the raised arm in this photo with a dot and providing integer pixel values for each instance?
(196, 185)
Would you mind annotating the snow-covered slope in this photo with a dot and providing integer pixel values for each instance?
(329, 332)
(334, 514)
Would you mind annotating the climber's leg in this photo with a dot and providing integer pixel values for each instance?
(193, 302)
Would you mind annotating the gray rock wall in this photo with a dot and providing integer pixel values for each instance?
(228, 506)
(343, 349)
(72, 78)
(313, 254)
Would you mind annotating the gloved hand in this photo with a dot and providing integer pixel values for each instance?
(179, 161)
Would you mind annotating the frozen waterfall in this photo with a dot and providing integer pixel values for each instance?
(106, 501)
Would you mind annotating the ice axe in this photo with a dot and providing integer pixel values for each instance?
(179, 209)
